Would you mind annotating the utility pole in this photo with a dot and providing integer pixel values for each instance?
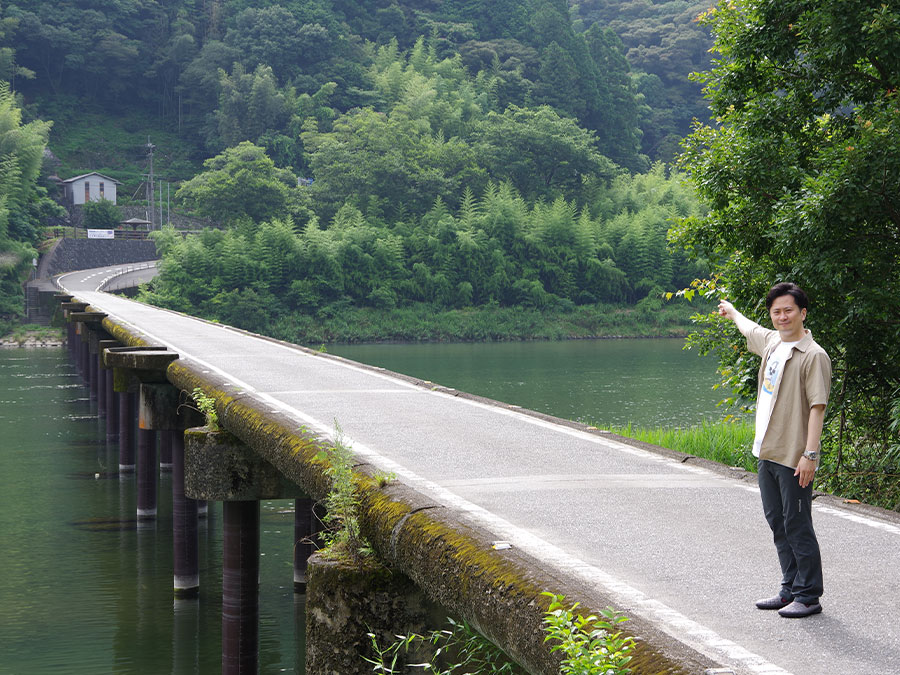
(150, 194)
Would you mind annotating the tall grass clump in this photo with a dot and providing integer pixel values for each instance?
(726, 441)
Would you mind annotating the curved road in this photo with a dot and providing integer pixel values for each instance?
(680, 545)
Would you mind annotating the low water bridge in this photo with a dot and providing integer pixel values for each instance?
(677, 544)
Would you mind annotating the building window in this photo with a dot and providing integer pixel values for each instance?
(101, 189)
(87, 191)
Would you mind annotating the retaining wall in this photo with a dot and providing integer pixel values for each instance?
(70, 255)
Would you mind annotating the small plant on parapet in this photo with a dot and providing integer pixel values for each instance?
(589, 644)
(384, 478)
(206, 406)
(342, 537)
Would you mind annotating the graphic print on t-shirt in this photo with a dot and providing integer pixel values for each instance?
(772, 371)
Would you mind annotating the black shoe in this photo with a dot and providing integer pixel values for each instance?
(797, 610)
(774, 603)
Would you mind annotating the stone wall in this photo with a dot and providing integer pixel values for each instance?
(81, 254)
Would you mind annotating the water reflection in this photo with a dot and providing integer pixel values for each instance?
(82, 589)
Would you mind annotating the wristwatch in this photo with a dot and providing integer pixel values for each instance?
(811, 455)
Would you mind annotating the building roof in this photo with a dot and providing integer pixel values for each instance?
(92, 173)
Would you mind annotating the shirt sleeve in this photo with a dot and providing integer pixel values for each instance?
(818, 379)
(757, 338)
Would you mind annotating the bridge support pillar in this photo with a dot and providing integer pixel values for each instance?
(147, 474)
(218, 466)
(84, 359)
(160, 409)
(165, 450)
(90, 328)
(73, 336)
(107, 403)
(126, 432)
(131, 367)
(345, 601)
(112, 407)
(307, 524)
(240, 587)
(185, 528)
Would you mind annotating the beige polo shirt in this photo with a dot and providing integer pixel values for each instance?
(805, 382)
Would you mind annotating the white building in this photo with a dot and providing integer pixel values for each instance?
(90, 187)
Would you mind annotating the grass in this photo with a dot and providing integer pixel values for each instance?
(725, 441)
(23, 332)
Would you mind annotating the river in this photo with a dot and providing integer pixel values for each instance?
(648, 382)
(83, 590)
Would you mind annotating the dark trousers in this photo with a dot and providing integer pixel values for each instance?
(788, 510)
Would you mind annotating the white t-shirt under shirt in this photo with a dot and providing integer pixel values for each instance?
(773, 372)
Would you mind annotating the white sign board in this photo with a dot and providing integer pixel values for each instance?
(101, 234)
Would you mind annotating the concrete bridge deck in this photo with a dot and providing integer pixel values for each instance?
(680, 546)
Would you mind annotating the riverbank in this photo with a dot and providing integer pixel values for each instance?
(491, 323)
(32, 335)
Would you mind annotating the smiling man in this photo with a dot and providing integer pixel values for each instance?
(792, 391)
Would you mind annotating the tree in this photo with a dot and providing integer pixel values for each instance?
(241, 183)
(802, 177)
(21, 200)
(102, 215)
(543, 154)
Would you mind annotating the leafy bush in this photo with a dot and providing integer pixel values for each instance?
(101, 215)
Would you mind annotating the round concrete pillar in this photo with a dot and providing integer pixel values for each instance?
(112, 408)
(240, 588)
(126, 432)
(165, 448)
(147, 474)
(185, 530)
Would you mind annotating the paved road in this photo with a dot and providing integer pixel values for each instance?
(682, 546)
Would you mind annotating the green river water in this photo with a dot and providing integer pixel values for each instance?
(83, 590)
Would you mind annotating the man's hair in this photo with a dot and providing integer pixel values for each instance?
(787, 288)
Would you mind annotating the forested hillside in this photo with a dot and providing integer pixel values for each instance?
(457, 154)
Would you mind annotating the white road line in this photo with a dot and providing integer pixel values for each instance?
(340, 391)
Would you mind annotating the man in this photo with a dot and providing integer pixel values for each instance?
(793, 386)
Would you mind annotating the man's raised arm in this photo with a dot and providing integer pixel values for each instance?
(743, 324)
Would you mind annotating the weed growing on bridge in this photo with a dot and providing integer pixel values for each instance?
(589, 645)
(457, 649)
(206, 405)
(343, 540)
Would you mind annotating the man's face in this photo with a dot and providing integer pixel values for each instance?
(787, 318)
